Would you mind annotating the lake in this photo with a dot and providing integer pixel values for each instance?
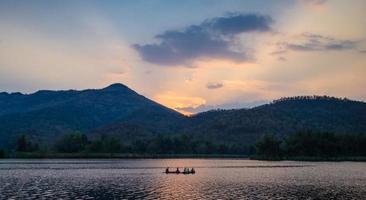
(214, 179)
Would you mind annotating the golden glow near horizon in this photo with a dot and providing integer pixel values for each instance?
(314, 48)
(178, 103)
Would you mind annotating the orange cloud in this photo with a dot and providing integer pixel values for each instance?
(178, 102)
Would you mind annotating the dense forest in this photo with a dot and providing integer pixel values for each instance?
(109, 145)
(303, 145)
(281, 117)
(311, 145)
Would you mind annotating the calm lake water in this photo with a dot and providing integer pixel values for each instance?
(215, 179)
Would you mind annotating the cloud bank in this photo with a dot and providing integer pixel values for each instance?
(212, 86)
(315, 2)
(213, 38)
(226, 106)
(314, 42)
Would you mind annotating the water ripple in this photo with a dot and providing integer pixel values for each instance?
(215, 179)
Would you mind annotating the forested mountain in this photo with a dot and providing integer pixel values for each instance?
(120, 112)
(282, 117)
(49, 114)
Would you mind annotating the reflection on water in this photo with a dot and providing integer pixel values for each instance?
(215, 179)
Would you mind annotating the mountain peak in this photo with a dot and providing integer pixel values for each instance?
(116, 86)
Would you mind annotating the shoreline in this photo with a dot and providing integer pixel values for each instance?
(122, 156)
(315, 159)
(178, 156)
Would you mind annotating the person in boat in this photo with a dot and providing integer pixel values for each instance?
(177, 171)
(167, 170)
(186, 170)
(193, 171)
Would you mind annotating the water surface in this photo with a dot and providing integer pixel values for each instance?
(215, 179)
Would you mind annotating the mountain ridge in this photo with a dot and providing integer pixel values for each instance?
(120, 111)
(59, 112)
(284, 116)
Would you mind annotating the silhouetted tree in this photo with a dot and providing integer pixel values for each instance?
(268, 146)
(25, 145)
(22, 144)
(105, 144)
(112, 145)
(2, 153)
(140, 146)
(96, 146)
(72, 143)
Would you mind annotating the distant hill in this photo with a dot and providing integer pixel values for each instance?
(49, 114)
(119, 111)
(281, 117)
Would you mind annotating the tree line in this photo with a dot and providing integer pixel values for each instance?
(160, 144)
(306, 98)
(303, 144)
(310, 144)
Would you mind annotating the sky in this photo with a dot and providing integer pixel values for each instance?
(191, 55)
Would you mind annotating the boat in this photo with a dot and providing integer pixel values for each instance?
(192, 171)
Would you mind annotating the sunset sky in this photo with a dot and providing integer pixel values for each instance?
(190, 55)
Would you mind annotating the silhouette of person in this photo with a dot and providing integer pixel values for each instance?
(177, 171)
(167, 170)
(193, 171)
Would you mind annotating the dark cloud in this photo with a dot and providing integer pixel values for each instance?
(214, 38)
(313, 42)
(315, 2)
(278, 52)
(214, 85)
(236, 24)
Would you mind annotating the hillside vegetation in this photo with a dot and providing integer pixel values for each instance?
(46, 119)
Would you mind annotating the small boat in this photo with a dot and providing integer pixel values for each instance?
(192, 171)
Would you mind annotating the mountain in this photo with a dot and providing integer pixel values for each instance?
(281, 117)
(119, 111)
(49, 114)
